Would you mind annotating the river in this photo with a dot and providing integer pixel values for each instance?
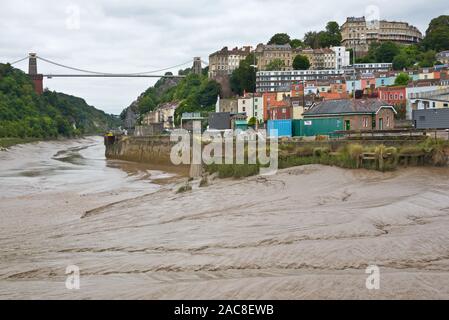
(306, 233)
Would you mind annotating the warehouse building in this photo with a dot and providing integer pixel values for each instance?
(326, 117)
(431, 119)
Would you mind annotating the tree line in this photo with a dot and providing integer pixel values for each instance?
(23, 113)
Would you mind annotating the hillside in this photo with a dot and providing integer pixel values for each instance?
(193, 93)
(23, 113)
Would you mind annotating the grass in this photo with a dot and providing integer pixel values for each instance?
(233, 170)
(9, 142)
(184, 188)
(430, 152)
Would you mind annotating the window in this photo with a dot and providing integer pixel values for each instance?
(365, 122)
(388, 121)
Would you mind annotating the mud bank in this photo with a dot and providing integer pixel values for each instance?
(306, 233)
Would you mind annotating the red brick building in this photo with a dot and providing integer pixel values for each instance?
(274, 109)
(393, 95)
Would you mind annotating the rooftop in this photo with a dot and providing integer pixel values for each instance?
(347, 106)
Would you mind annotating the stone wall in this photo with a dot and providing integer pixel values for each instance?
(152, 150)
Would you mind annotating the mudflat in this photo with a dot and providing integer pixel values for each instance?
(306, 233)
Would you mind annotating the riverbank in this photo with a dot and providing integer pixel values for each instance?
(305, 233)
(9, 142)
(381, 155)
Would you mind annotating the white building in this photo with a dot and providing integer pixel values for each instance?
(342, 57)
(282, 81)
(251, 106)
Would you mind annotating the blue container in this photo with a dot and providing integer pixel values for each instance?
(283, 127)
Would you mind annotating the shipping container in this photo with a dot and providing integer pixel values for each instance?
(321, 126)
(296, 128)
(283, 127)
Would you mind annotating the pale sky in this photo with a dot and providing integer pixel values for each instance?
(118, 36)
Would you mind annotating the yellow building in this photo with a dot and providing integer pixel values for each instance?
(268, 53)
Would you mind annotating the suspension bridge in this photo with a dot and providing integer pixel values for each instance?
(38, 77)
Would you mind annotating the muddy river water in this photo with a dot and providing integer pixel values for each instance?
(306, 233)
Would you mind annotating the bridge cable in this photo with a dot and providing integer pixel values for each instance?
(71, 68)
(104, 73)
(19, 60)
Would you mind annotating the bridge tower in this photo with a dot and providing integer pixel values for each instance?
(197, 67)
(38, 79)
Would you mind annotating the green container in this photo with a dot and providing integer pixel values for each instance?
(296, 128)
(321, 126)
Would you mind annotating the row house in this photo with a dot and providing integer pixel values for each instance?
(268, 53)
(252, 105)
(326, 58)
(276, 109)
(225, 61)
(393, 95)
(358, 33)
(164, 114)
(319, 58)
(443, 57)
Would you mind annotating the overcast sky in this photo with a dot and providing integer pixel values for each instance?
(139, 35)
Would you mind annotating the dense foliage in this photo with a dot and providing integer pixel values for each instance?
(402, 79)
(195, 93)
(437, 35)
(301, 62)
(244, 77)
(280, 39)
(23, 113)
(275, 64)
(329, 37)
(402, 56)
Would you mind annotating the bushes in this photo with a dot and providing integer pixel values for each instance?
(378, 157)
(233, 170)
(184, 188)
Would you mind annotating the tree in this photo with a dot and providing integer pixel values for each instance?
(252, 122)
(329, 37)
(301, 62)
(296, 43)
(333, 34)
(279, 39)
(402, 79)
(437, 34)
(400, 62)
(386, 52)
(427, 59)
(244, 77)
(276, 64)
(311, 39)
